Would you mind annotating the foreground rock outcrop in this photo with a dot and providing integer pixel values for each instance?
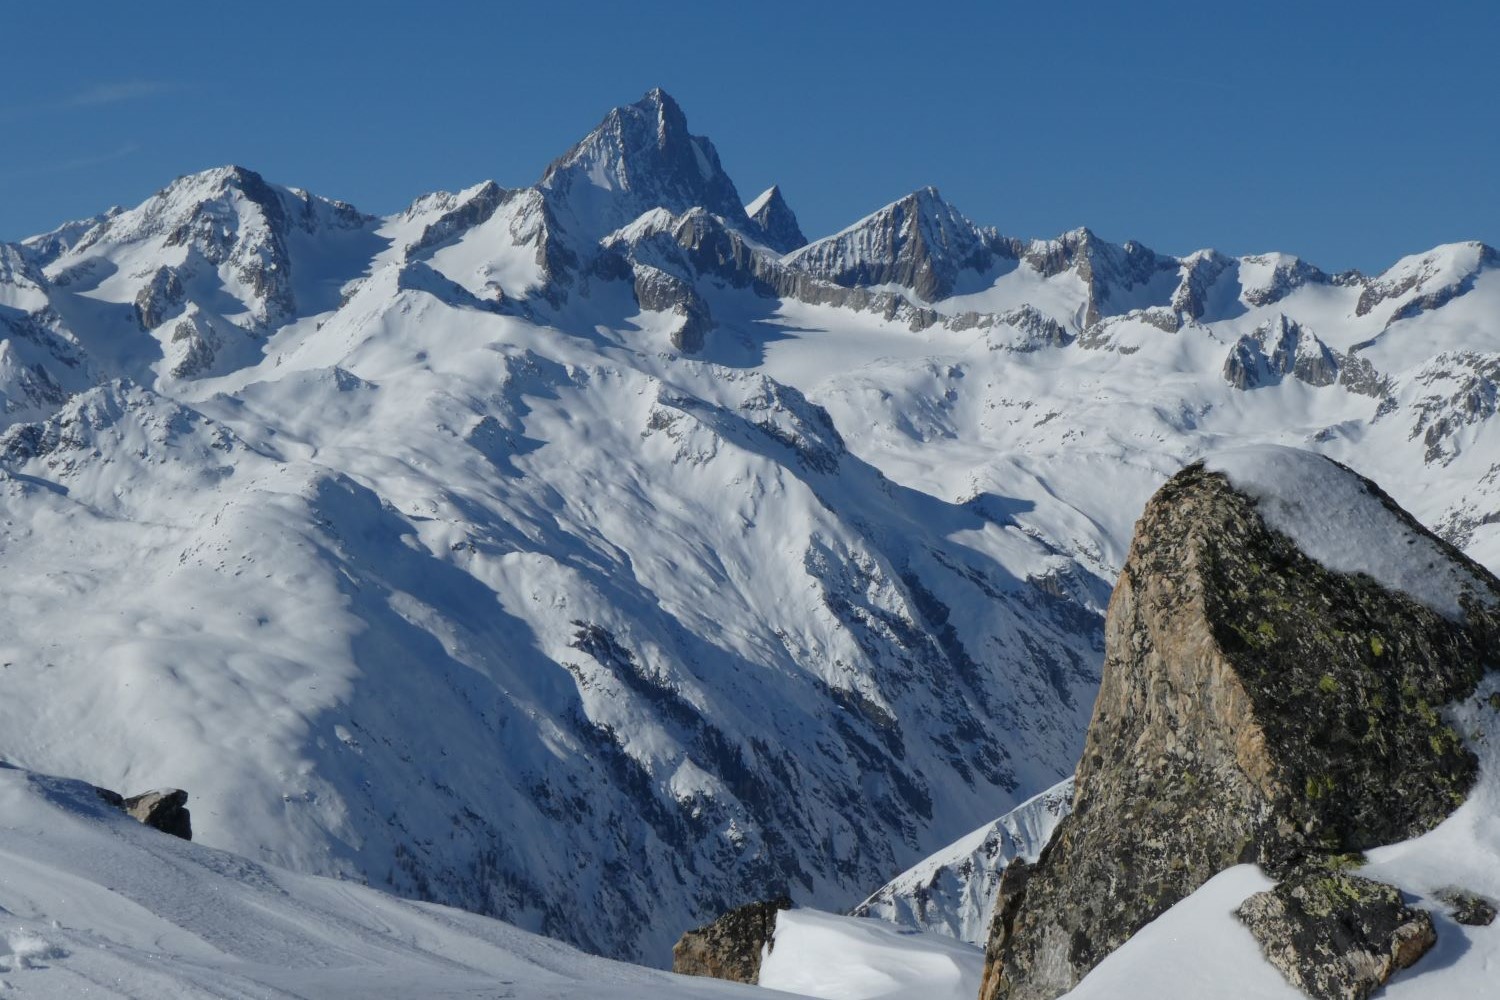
(164, 809)
(732, 946)
(1337, 936)
(1255, 706)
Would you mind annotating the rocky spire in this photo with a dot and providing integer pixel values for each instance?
(640, 157)
(777, 223)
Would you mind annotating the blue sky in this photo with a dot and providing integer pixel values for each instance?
(1348, 133)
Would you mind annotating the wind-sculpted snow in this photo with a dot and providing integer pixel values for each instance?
(1345, 526)
(567, 553)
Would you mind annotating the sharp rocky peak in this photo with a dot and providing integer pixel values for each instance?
(776, 220)
(1277, 348)
(920, 242)
(640, 157)
(1108, 270)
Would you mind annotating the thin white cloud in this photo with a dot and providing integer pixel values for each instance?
(83, 162)
(114, 93)
(98, 95)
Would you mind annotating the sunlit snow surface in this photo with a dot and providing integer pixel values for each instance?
(855, 958)
(93, 904)
(1336, 520)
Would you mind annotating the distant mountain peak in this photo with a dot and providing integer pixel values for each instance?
(772, 193)
(920, 242)
(204, 203)
(639, 157)
(671, 123)
(778, 223)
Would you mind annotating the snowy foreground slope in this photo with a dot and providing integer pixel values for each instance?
(853, 958)
(572, 554)
(94, 904)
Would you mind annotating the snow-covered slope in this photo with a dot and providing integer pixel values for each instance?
(568, 553)
(953, 892)
(93, 904)
(852, 958)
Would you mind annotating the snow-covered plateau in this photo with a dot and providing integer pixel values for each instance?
(586, 555)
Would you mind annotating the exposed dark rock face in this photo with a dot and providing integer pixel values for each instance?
(1380, 290)
(730, 947)
(778, 225)
(659, 291)
(1037, 328)
(1287, 275)
(1199, 274)
(1356, 374)
(698, 243)
(259, 256)
(1459, 390)
(164, 809)
(463, 216)
(920, 242)
(158, 298)
(1255, 707)
(1337, 936)
(1468, 908)
(1107, 270)
(1277, 349)
(191, 348)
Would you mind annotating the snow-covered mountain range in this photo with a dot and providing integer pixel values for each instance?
(601, 555)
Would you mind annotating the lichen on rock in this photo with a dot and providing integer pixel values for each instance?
(732, 946)
(1255, 706)
(1336, 936)
(1468, 908)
